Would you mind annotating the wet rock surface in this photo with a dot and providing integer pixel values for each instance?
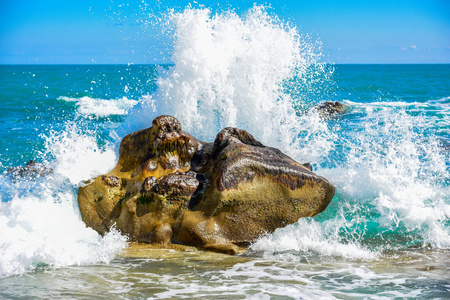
(329, 109)
(31, 171)
(169, 187)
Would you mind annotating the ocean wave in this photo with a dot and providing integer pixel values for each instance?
(101, 107)
(445, 100)
(441, 104)
(40, 221)
(395, 166)
(392, 194)
(47, 231)
(307, 238)
(387, 104)
(75, 154)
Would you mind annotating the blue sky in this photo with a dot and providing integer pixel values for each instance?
(110, 31)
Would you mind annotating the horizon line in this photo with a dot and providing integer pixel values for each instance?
(140, 64)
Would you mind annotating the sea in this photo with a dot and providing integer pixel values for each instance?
(385, 235)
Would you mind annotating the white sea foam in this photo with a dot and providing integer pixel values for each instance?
(295, 241)
(47, 230)
(429, 107)
(77, 155)
(230, 71)
(101, 107)
(391, 181)
(267, 279)
(395, 167)
(41, 224)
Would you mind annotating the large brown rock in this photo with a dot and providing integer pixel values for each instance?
(169, 187)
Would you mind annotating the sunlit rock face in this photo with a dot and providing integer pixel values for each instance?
(169, 187)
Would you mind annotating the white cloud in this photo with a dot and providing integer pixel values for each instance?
(411, 47)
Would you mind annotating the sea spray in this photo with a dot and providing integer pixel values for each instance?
(402, 172)
(47, 231)
(101, 107)
(252, 72)
(76, 155)
(234, 70)
(40, 221)
(385, 234)
(391, 191)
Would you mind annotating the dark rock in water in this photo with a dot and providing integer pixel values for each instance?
(446, 146)
(328, 109)
(31, 171)
(169, 187)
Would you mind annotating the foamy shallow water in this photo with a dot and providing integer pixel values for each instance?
(192, 274)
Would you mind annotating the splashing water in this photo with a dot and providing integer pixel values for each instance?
(233, 71)
(101, 107)
(395, 167)
(41, 225)
(37, 231)
(77, 155)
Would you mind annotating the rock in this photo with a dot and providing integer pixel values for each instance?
(169, 187)
(176, 185)
(31, 171)
(329, 109)
(112, 181)
(446, 147)
(222, 248)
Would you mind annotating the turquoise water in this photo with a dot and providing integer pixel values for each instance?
(387, 158)
(32, 108)
(386, 234)
(32, 104)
